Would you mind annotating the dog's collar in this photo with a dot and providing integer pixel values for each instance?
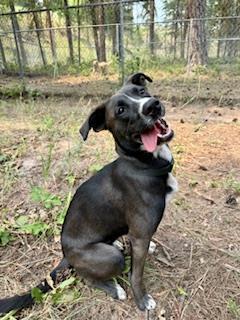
(160, 171)
(156, 167)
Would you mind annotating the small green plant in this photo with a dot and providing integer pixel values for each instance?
(214, 184)
(62, 294)
(178, 149)
(94, 168)
(193, 183)
(48, 200)
(37, 295)
(4, 158)
(70, 179)
(9, 315)
(232, 183)
(233, 308)
(36, 228)
(181, 202)
(125, 277)
(46, 162)
(61, 215)
(47, 123)
(5, 237)
(182, 292)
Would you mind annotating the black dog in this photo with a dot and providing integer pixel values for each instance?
(128, 196)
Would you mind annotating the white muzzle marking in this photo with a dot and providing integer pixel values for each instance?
(140, 102)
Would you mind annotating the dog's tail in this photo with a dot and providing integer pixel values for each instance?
(27, 300)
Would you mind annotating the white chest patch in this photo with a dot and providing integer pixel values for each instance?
(163, 152)
(173, 184)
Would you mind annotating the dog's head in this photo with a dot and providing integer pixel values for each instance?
(133, 116)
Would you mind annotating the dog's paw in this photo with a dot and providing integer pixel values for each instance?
(121, 294)
(118, 244)
(146, 303)
(152, 247)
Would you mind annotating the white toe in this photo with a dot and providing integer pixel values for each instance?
(117, 244)
(151, 304)
(121, 292)
(152, 247)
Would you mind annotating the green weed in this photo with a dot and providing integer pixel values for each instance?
(94, 168)
(182, 292)
(48, 200)
(10, 174)
(214, 184)
(232, 183)
(61, 215)
(193, 183)
(47, 123)
(37, 295)
(5, 237)
(22, 224)
(62, 294)
(9, 315)
(233, 308)
(46, 161)
(181, 202)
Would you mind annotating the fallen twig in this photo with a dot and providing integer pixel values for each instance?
(232, 268)
(204, 197)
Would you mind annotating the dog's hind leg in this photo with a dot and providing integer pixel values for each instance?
(98, 263)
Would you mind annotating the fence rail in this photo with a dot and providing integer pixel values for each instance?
(44, 41)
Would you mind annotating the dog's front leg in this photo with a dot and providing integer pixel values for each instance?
(139, 252)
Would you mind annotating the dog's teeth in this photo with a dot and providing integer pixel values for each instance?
(150, 304)
(121, 292)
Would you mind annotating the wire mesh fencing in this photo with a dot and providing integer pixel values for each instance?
(107, 38)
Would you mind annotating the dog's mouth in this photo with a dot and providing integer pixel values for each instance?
(159, 133)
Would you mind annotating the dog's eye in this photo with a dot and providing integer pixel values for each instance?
(120, 110)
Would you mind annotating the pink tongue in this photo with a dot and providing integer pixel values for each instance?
(149, 139)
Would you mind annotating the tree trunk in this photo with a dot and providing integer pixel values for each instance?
(18, 33)
(98, 20)
(102, 44)
(38, 26)
(197, 54)
(69, 31)
(95, 30)
(151, 25)
(4, 62)
(182, 44)
(51, 36)
(115, 30)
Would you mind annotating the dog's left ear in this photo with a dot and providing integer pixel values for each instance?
(95, 121)
(139, 79)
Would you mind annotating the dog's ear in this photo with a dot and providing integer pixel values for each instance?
(139, 79)
(95, 121)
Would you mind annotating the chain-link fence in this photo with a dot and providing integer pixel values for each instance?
(106, 38)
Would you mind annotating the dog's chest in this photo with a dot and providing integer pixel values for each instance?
(172, 187)
(172, 184)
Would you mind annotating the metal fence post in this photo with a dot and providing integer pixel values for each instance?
(121, 43)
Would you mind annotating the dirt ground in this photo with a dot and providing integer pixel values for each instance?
(194, 274)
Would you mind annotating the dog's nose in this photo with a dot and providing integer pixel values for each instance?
(153, 108)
